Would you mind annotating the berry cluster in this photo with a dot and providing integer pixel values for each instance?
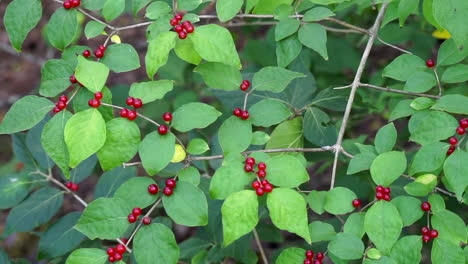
(310, 257)
(244, 85)
(428, 234)
(115, 253)
(61, 104)
(461, 130)
(357, 203)
(96, 102)
(163, 129)
(136, 212)
(170, 185)
(382, 193)
(72, 186)
(71, 3)
(131, 114)
(261, 187)
(243, 114)
(182, 29)
(99, 52)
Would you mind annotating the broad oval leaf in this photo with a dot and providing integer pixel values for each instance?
(155, 244)
(63, 27)
(402, 67)
(451, 15)
(314, 36)
(91, 74)
(194, 115)
(451, 227)
(431, 126)
(220, 76)
(346, 246)
(386, 138)
(444, 251)
(53, 140)
(227, 9)
(235, 135)
(388, 167)
(154, 161)
(409, 209)
(228, 179)
(158, 52)
(13, 189)
(269, 112)
(111, 180)
(55, 77)
(453, 103)
(340, 201)
(121, 58)
(355, 224)
(274, 79)
(321, 231)
(455, 170)
(291, 255)
(407, 250)
(87, 255)
(286, 171)
(134, 192)
(429, 158)
(151, 91)
(21, 16)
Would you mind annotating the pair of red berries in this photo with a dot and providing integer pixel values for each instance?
(243, 114)
(170, 185)
(131, 114)
(461, 130)
(135, 102)
(99, 52)
(357, 203)
(115, 253)
(182, 29)
(382, 193)
(244, 85)
(310, 257)
(72, 186)
(136, 212)
(262, 187)
(96, 102)
(428, 234)
(61, 104)
(71, 3)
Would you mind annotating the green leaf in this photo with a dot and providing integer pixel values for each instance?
(454, 103)
(317, 200)
(286, 27)
(291, 255)
(288, 212)
(215, 44)
(346, 246)
(403, 67)
(85, 134)
(402, 109)
(455, 170)
(422, 186)
(409, 209)
(111, 180)
(437, 203)
(240, 215)
(220, 76)
(451, 15)
(61, 237)
(455, 74)
(94, 29)
(314, 36)
(450, 226)
(429, 15)
(187, 205)
(361, 162)
(317, 127)
(260, 138)
(449, 53)
(158, 52)
(155, 244)
(340, 201)
(189, 5)
(151, 91)
(154, 161)
(386, 138)
(407, 250)
(373, 253)
(134, 192)
(55, 77)
(317, 14)
(21, 16)
(36, 210)
(113, 9)
(104, 218)
(420, 82)
(80, 102)
(287, 135)
(406, 8)
(194, 115)
(87, 255)
(93, 75)
(269, 112)
(431, 126)
(184, 49)
(274, 79)
(355, 224)
(235, 135)
(388, 167)
(93, 4)
(422, 103)
(444, 251)
(282, 165)
(228, 179)
(121, 58)
(62, 28)
(287, 50)
(13, 189)
(24, 114)
(383, 225)
(53, 140)
(321, 231)
(190, 174)
(227, 9)
(269, 6)
(197, 146)
(429, 158)
(157, 10)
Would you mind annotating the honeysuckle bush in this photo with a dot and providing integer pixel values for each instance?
(300, 91)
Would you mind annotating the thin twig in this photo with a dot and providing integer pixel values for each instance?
(141, 222)
(367, 205)
(260, 247)
(357, 78)
(393, 46)
(438, 81)
(140, 115)
(386, 89)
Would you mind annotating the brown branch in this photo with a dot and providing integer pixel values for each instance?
(386, 89)
(259, 245)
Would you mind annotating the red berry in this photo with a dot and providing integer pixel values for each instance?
(123, 113)
(426, 206)
(61, 105)
(153, 189)
(460, 131)
(178, 28)
(309, 254)
(379, 195)
(102, 47)
(248, 168)
(250, 161)
(73, 79)
(268, 188)
(425, 230)
(246, 82)
(261, 173)
(167, 117)
(75, 3)
(186, 22)
(111, 251)
(356, 203)
(124, 240)
(87, 53)
(189, 29)
(162, 129)
(146, 220)
(67, 5)
(174, 22)
(430, 63)
(137, 103)
(120, 249)
(453, 141)
(98, 96)
(167, 191)
(132, 115)
(69, 185)
(379, 188)
(111, 259)
(265, 182)
(56, 110)
(261, 166)
(387, 197)
(244, 87)
(256, 184)
(319, 256)
(179, 17)
(118, 256)
(75, 187)
(136, 212)
(426, 238)
(130, 101)
(171, 183)
(260, 192)
(131, 218)
(237, 112)
(307, 261)
(387, 190)
(464, 123)
(245, 115)
(450, 150)
(317, 262)
(182, 35)
(434, 233)
(63, 98)
(94, 103)
(99, 53)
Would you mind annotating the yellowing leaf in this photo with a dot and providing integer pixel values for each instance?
(116, 39)
(441, 34)
(179, 154)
